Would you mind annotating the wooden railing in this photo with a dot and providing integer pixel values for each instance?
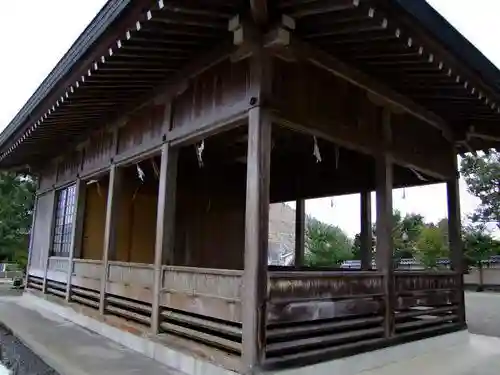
(308, 315)
(129, 291)
(322, 313)
(426, 302)
(86, 282)
(202, 305)
(57, 276)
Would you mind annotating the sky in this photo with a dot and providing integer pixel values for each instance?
(35, 34)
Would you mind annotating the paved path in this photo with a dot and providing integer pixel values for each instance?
(70, 349)
(483, 313)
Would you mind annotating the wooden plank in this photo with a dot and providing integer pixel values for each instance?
(109, 247)
(455, 234)
(366, 235)
(256, 236)
(204, 323)
(300, 231)
(165, 224)
(331, 340)
(319, 328)
(384, 181)
(360, 79)
(201, 336)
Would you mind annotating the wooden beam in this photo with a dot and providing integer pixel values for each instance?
(360, 79)
(112, 212)
(79, 186)
(165, 224)
(256, 238)
(366, 235)
(455, 235)
(300, 230)
(260, 12)
(384, 247)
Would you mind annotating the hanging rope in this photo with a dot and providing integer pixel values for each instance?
(140, 172)
(199, 153)
(316, 152)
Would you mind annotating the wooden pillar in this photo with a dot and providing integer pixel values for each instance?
(256, 238)
(109, 247)
(77, 208)
(300, 231)
(384, 248)
(165, 224)
(32, 234)
(455, 236)
(366, 235)
(49, 240)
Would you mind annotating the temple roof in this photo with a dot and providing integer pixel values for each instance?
(133, 49)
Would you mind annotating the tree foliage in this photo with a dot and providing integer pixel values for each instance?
(431, 246)
(326, 245)
(482, 175)
(16, 206)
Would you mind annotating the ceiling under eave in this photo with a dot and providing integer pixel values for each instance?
(378, 37)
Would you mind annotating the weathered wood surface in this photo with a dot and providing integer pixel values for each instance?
(308, 296)
(210, 292)
(408, 281)
(131, 280)
(87, 273)
(97, 151)
(57, 269)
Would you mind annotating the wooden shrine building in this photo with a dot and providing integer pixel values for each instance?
(164, 133)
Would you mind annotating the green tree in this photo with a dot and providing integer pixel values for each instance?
(16, 206)
(482, 175)
(479, 246)
(326, 245)
(431, 246)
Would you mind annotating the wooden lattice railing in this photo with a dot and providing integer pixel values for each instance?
(312, 314)
(308, 315)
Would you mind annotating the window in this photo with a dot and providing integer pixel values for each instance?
(63, 228)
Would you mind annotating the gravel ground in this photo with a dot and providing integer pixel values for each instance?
(483, 313)
(20, 359)
(14, 354)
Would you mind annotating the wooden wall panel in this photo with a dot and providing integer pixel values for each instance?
(315, 99)
(210, 224)
(47, 177)
(143, 128)
(219, 87)
(421, 146)
(98, 151)
(137, 222)
(95, 214)
(69, 166)
(43, 231)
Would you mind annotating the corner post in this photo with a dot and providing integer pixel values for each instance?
(384, 249)
(256, 237)
(366, 236)
(78, 208)
(109, 247)
(165, 225)
(455, 235)
(300, 221)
